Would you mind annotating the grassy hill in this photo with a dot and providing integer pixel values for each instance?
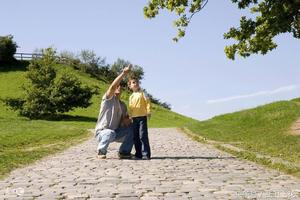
(23, 141)
(259, 131)
(263, 132)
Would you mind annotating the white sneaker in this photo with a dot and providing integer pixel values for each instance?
(101, 155)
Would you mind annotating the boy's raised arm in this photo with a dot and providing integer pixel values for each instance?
(113, 86)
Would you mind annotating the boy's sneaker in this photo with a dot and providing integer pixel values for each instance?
(101, 155)
(124, 155)
(136, 158)
(145, 158)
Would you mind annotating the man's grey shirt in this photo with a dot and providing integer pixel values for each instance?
(111, 112)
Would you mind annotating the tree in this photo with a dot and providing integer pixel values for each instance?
(93, 64)
(69, 58)
(68, 93)
(90, 58)
(41, 75)
(7, 49)
(254, 35)
(46, 96)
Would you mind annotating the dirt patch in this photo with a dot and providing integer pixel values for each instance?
(41, 147)
(295, 129)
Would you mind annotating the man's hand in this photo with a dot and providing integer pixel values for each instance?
(112, 88)
(149, 116)
(127, 69)
(126, 121)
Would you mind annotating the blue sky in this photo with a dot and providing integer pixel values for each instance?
(193, 75)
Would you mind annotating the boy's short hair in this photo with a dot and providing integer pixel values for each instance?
(132, 78)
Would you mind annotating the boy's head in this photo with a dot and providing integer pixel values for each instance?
(133, 84)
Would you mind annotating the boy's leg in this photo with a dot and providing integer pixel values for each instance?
(104, 137)
(125, 135)
(136, 138)
(143, 129)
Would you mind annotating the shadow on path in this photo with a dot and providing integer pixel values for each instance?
(192, 157)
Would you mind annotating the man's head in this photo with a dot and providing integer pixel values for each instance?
(133, 84)
(118, 91)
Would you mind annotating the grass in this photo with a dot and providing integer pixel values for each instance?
(263, 130)
(24, 141)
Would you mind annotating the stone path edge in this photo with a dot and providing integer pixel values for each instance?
(274, 163)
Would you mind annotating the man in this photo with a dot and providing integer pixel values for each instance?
(113, 122)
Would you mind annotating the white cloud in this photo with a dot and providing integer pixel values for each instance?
(260, 93)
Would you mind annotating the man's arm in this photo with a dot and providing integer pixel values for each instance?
(112, 88)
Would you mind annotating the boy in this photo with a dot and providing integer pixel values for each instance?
(139, 110)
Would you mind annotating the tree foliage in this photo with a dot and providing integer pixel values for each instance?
(46, 95)
(69, 93)
(7, 49)
(154, 100)
(254, 35)
(41, 75)
(88, 62)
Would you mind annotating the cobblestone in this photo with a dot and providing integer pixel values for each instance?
(179, 169)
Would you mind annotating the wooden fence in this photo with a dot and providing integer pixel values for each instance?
(27, 56)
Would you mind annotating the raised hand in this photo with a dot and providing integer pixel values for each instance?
(127, 69)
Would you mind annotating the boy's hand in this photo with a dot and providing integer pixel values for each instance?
(127, 69)
(149, 116)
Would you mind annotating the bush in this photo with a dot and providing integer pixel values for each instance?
(46, 96)
(7, 49)
(69, 94)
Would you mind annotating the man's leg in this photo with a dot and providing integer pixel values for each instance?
(104, 137)
(125, 135)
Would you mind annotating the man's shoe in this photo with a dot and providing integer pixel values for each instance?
(124, 155)
(101, 155)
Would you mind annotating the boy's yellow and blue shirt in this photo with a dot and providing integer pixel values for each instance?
(139, 104)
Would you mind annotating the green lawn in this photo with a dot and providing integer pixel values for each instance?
(262, 130)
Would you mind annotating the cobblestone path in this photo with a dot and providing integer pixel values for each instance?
(179, 169)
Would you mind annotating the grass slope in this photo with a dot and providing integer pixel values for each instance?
(263, 130)
(23, 141)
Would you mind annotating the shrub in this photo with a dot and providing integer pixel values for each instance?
(68, 94)
(46, 96)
